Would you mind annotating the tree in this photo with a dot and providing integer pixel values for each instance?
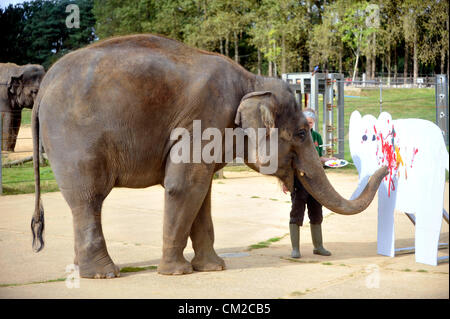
(355, 31)
(434, 43)
(41, 35)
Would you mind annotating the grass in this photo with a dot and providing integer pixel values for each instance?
(32, 283)
(400, 103)
(302, 261)
(267, 243)
(137, 269)
(406, 270)
(26, 116)
(239, 168)
(20, 179)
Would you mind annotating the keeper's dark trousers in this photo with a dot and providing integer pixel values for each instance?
(300, 199)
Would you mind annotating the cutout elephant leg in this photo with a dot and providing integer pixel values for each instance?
(428, 226)
(202, 236)
(386, 231)
(91, 254)
(186, 186)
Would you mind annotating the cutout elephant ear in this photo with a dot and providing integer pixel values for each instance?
(255, 110)
(384, 123)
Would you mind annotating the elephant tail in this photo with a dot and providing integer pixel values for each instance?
(37, 221)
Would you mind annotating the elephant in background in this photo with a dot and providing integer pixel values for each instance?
(19, 85)
(417, 158)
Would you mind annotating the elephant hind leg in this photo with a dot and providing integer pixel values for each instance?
(91, 254)
(90, 246)
(202, 236)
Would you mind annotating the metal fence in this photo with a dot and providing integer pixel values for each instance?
(19, 163)
(392, 82)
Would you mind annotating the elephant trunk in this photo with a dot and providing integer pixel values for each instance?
(321, 189)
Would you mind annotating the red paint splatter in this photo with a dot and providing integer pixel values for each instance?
(389, 156)
(415, 150)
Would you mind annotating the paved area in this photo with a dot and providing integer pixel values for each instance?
(247, 209)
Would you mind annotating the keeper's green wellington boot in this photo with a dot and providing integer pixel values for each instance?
(316, 235)
(294, 230)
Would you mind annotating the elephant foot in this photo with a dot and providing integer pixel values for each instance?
(177, 267)
(99, 270)
(209, 262)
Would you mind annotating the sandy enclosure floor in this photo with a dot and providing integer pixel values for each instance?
(24, 145)
(247, 208)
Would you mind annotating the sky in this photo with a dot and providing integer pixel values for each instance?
(5, 3)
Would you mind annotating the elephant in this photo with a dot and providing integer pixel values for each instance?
(105, 114)
(417, 158)
(18, 89)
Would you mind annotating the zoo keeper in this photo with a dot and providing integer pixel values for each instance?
(301, 198)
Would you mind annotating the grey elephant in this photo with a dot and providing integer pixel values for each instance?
(106, 112)
(19, 85)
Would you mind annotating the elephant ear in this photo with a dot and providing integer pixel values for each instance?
(256, 110)
(15, 85)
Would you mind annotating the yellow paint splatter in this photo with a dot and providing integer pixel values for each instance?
(399, 157)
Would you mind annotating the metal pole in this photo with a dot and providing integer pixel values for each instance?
(341, 119)
(441, 93)
(381, 96)
(1, 143)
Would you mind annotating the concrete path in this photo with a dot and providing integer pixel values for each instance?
(247, 209)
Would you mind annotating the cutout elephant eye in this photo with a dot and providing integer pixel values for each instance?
(364, 137)
(373, 137)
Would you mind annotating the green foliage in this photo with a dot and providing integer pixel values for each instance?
(265, 36)
(20, 179)
(137, 269)
(38, 31)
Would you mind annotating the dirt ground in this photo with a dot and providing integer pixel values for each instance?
(248, 208)
(24, 145)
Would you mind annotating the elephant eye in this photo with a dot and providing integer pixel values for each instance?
(301, 134)
(373, 138)
(364, 137)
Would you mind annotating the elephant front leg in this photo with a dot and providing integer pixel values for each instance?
(202, 236)
(186, 186)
